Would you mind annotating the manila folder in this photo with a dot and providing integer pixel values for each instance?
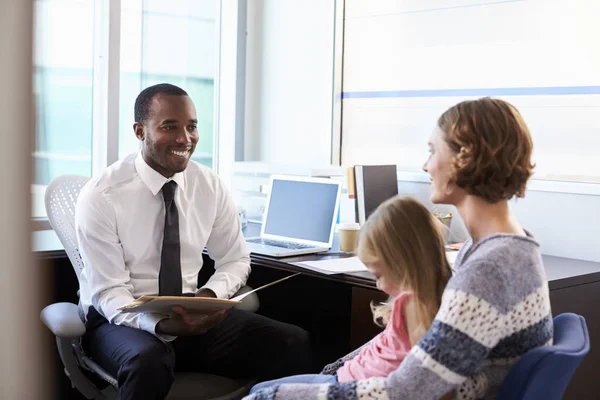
(193, 305)
(164, 304)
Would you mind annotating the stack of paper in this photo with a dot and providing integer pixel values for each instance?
(349, 264)
(334, 265)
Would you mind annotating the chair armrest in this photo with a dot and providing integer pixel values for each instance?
(64, 320)
(249, 303)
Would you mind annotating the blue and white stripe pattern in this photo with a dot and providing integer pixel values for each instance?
(495, 308)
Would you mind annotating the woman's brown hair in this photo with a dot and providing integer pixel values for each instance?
(494, 148)
(403, 236)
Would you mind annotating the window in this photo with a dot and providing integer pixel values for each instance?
(174, 42)
(63, 80)
(406, 62)
(171, 42)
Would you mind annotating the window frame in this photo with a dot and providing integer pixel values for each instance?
(107, 50)
(230, 83)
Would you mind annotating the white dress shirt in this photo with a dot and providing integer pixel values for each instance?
(119, 220)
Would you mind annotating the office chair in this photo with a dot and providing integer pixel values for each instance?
(545, 372)
(65, 320)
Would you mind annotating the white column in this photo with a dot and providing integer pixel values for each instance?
(22, 361)
(105, 138)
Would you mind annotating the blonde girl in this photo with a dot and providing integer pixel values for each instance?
(402, 245)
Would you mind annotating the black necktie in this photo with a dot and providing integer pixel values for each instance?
(169, 279)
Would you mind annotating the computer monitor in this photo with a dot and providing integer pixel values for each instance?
(302, 209)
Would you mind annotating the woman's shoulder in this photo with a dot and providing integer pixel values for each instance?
(501, 250)
(501, 269)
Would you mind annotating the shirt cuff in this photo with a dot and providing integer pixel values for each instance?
(219, 288)
(148, 323)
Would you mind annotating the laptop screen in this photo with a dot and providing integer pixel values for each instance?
(301, 210)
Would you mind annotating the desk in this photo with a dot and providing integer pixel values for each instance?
(338, 312)
(561, 272)
(46, 245)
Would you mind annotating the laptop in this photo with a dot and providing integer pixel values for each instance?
(300, 217)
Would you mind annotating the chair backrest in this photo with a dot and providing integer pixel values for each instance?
(60, 198)
(545, 372)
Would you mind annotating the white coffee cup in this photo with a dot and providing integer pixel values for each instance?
(348, 236)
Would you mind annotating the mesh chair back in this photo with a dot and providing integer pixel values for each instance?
(60, 198)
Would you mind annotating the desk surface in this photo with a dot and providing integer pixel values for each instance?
(561, 272)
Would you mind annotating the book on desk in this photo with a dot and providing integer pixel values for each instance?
(373, 184)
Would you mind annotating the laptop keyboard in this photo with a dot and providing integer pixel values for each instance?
(280, 243)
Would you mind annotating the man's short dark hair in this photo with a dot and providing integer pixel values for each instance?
(142, 103)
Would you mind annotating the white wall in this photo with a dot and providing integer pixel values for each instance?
(289, 81)
(566, 225)
(23, 360)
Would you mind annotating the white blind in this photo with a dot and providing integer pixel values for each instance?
(405, 62)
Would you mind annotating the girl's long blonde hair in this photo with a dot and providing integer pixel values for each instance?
(403, 236)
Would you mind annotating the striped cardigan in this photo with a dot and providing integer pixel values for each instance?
(495, 308)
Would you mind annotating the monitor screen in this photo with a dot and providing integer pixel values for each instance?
(301, 210)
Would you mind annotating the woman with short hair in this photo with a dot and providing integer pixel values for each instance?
(496, 306)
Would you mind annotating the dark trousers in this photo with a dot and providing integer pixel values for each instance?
(244, 344)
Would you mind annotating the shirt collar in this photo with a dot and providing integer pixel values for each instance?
(154, 180)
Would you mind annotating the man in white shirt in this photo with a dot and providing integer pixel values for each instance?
(141, 228)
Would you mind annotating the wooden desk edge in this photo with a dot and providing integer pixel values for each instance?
(357, 279)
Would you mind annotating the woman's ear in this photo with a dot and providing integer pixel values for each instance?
(463, 157)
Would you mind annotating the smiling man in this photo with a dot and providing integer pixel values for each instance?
(141, 228)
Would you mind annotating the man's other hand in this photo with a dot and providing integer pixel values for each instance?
(181, 323)
(205, 293)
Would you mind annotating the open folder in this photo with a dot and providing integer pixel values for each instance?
(193, 305)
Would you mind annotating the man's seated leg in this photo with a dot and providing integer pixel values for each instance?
(143, 364)
(247, 345)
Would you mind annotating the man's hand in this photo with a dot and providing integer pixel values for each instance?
(205, 293)
(183, 324)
